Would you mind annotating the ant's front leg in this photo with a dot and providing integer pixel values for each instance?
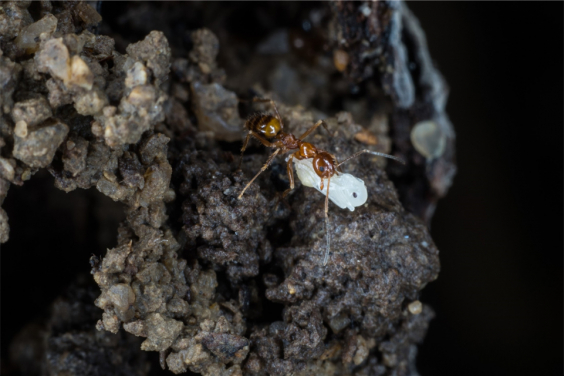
(290, 170)
(262, 140)
(244, 148)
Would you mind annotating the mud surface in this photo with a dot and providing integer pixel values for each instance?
(146, 111)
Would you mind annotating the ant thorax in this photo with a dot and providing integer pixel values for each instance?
(345, 190)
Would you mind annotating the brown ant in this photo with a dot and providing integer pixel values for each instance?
(268, 129)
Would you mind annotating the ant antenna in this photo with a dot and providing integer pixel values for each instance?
(326, 258)
(373, 153)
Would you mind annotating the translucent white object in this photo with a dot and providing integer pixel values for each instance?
(346, 191)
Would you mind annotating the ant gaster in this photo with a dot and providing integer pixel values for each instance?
(268, 129)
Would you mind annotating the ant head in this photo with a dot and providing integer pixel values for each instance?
(324, 165)
(270, 127)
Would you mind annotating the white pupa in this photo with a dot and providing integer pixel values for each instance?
(345, 190)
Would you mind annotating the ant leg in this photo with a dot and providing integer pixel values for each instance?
(262, 140)
(258, 137)
(373, 153)
(244, 148)
(261, 171)
(314, 127)
(327, 230)
(290, 170)
(265, 100)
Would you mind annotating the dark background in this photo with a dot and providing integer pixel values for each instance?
(499, 295)
(498, 298)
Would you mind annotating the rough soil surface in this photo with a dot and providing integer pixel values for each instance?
(217, 285)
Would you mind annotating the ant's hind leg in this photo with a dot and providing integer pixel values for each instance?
(290, 170)
(314, 127)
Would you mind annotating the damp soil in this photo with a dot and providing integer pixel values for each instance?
(145, 104)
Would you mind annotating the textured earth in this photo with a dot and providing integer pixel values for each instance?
(214, 284)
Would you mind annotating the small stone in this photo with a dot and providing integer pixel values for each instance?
(90, 102)
(38, 148)
(28, 39)
(216, 110)
(53, 57)
(32, 112)
(366, 137)
(161, 332)
(362, 351)
(20, 129)
(341, 60)
(97, 129)
(80, 74)
(4, 227)
(136, 75)
(227, 347)
(428, 139)
(88, 14)
(415, 307)
(7, 169)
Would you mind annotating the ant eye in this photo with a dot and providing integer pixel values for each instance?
(321, 168)
(354, 194)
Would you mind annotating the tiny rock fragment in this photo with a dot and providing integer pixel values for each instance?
(4, 227)
(341, 60)
(161, 332)
(415, 307)
(90, 102)
(136, 328)
(109, 322)
(20, 129)
(428, 139)
(88, 14)
(53, 57)
(136, 75)
(74, 155)
(58, 94)
(206, 47)
(216, 110)
(114, 261)
(131, 170)
(339, 323)
(28, 39)
(38, 148)
(9, 76)
(226, 347)
(31, 111)
(155, 52)
(122, 297)
(366, 137)
(80, 74)
(362, 351)
(7, 169)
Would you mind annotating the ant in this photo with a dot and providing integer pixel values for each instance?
(268, 129)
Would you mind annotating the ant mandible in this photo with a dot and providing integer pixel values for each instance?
(268, 129)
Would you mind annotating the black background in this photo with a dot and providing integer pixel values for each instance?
(499, 296)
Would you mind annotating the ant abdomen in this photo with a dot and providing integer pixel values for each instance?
(264, 124)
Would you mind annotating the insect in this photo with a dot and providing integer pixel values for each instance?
(313, 165)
